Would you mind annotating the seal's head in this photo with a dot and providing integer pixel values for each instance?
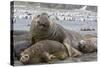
(82, 45)
(42, 22)
(26, 56)
(86, 46)
(25, 59)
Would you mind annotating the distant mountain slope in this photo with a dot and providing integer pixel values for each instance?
(56, 6)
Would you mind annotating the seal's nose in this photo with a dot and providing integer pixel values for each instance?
(41, 24)
(38, 22)
(24, 58)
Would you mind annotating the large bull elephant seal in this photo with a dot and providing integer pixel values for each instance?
(42, 28)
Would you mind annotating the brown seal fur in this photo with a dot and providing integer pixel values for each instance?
(42, 28)
(44, 50)
(88, 45)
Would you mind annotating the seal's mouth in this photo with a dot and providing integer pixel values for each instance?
(43, 26)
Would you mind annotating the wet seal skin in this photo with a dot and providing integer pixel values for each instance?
(43, 28)
(44, 51)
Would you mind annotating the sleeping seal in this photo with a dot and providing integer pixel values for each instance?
(42, 28)
(45, 50)
(88, 45)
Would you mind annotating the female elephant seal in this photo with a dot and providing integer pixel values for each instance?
(42, 28)
(45, 50)
(88, 45)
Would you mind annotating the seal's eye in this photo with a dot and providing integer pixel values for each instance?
(26, 56)
(38, 22)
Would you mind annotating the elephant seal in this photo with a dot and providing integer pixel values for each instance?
(44, 50)
(43, 28)
(88, 45)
